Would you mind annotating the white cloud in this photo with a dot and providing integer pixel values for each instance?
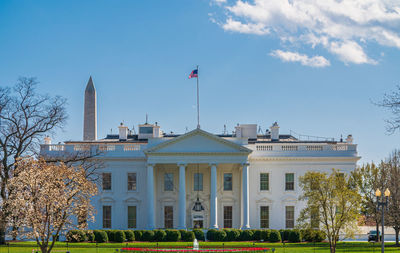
(350, 51)
(337, 26)
(287, 56)
(236, 26)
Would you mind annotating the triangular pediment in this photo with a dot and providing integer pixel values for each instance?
(198, 141)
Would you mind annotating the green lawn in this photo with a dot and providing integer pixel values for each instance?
(352, 247)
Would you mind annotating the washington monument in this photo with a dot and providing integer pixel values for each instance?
(90, 113)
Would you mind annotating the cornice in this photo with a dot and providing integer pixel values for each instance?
(317, 159)
(198, 132)
(198, 154)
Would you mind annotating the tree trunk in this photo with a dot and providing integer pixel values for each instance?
(43, 248)
(396, 229)
(377, 231)
(3, 227)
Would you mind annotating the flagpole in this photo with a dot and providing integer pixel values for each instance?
(198, 106)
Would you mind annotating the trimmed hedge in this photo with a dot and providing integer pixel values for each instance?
(138, 235)
(275, 236)
(284, 234)
(187, 236)
(119, 236)
(232, 235)
(148, 236)
(159, 235)
(90, 236)
(199, 234)
(100, 236)
(216, 235)
(173, 235)
(295, 236)
(76, 236)
(265, 234)
(246, 235)
(130, 236)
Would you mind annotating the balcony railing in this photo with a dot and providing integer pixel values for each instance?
(305, 147)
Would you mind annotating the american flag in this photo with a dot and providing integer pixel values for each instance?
(193, 74)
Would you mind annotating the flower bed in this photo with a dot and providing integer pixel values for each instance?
(253, 249)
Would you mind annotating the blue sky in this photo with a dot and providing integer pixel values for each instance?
(253, 68)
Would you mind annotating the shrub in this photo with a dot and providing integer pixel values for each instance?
(148, 236)
(172, 235)
(246, 235)
(219, 235)
(100, 236)
(199, 234)
(187, 236)
(76, 236)
(138, 235)
(257, 235)
(119, 236)
(308, 235)
(284, 234)
(295, 236)
(90, 235)
(275, 236)
(129, 235)
(211, 234)
(110, 235)
(264, 234)
(319, 235)
(232, 235)
(159, 235)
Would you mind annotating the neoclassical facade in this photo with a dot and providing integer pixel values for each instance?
(198, 179)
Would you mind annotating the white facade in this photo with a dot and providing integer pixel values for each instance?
(152, 180)
(212, 157)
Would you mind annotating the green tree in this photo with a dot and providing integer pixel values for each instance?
(368, 178)
(337, 201)
(392, 166)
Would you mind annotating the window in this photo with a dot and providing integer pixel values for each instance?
(264, 217)
(264, 182)
(227, 216)
(198, 181)
(106, 216)
(168, 217)
(289, 184)
(131, 216)
(106, 181)
(227, 181)
(131, 181)
(168, 182)
(290, 217)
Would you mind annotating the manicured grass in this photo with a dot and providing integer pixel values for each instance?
(353, 247)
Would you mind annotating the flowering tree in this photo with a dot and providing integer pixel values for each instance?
(46, 197)
(335, 202)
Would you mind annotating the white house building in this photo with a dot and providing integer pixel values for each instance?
(198, 179)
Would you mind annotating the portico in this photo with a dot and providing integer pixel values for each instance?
(217, 161)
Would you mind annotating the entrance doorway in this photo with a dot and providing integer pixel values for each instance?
(198, 224)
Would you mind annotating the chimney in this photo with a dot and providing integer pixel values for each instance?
(238, 131)
(274, 132)
(123, 132)
(349, 139)
(47, 140)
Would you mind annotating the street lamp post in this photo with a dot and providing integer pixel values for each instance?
(382, 204)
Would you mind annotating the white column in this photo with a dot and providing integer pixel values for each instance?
(150, 197)
(213, 198)
(245, 196)
(182, 197)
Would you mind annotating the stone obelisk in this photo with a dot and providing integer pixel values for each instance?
(90, 113)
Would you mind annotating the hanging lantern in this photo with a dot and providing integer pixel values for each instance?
(198, 207)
